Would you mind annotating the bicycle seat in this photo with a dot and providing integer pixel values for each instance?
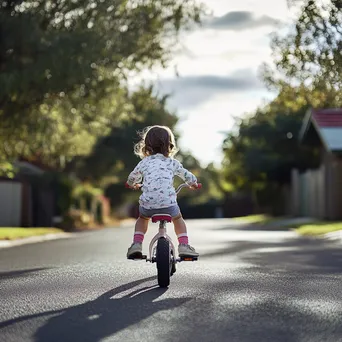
(161, 217)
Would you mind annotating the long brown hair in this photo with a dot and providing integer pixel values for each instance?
(156, 139)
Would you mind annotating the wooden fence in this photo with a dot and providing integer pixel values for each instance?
(317, 193)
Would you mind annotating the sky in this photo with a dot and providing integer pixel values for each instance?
(217, 70)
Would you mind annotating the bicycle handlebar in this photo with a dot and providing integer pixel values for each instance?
(184, 185)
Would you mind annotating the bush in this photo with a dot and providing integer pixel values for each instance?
(7, 169)
(76, 218)
(63, 187)
(85, 195)
(86, 190)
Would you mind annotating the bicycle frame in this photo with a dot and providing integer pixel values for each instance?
(162, 233)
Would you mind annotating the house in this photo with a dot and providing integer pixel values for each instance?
(318, 192)
(22, 204)
(10, 202)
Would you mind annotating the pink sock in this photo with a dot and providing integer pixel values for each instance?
(183, 239)
(138, 237)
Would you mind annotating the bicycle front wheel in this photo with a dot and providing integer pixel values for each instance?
(163, 262)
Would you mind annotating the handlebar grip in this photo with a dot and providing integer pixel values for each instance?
(135, 187)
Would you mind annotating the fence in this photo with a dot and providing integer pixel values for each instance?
(23, 204)
(10, 203)
(318, 193)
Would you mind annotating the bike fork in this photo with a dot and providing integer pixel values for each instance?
(161, 233)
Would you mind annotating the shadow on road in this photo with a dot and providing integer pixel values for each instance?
(277, 227)
(102, 317)
(283, 291)
(302, 254)
(20, 273)
(264, 319)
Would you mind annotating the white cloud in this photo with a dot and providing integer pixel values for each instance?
(217, 71)
(273, 8)
(194, 90)
(240, 21)
(202, 128)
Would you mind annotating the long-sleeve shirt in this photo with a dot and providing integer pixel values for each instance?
(157, 174)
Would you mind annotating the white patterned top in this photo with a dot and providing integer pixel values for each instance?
(157, 173)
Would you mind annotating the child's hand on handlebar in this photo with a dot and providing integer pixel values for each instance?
(134, 186)
(195, 186)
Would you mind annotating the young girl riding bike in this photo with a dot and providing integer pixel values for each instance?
(157, 170)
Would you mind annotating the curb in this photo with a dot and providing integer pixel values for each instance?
(34, 239)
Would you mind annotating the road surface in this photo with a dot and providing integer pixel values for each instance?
(248, 285)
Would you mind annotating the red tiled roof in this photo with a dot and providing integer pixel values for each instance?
(328, 117)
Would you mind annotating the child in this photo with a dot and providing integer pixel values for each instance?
(157, 170)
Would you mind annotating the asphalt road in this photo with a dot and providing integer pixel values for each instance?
(248, 285)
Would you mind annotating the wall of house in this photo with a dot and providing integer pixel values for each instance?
(10, 203)
(318, 193)
(327, 161)
(308, 193)
(335, 183)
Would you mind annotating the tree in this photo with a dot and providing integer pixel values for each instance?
(62, 131)
(310, 54)
(260, 155)
(113, 154)
(306, 72)
(112, 157)
(62, 63)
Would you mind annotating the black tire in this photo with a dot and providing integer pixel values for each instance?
(173, 269)
(163, 262)
(173, 266)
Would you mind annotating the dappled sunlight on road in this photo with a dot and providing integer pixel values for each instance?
(246, 286)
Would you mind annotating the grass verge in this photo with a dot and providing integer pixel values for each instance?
(305, 228)
(258, 219)
(13, 233)
(318, 228)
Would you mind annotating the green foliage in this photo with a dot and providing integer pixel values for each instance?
(307, 72)
(119, 195)
(62, 185)
(260, 155)
(311, 53)
(112, 157)
(7, 169)
(76, 218)
(85, 196)
(213, 182)
(87, 189)
(64, 99)
(63, 66)
(113, 154)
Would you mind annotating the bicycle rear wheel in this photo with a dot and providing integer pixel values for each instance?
(173, 264)
(164, 263)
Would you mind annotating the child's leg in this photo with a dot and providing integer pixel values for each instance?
(180, 230)
(184, 249)
(140, 230)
